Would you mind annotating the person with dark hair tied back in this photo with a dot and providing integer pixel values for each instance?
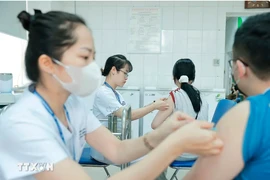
(108, 100)
(51, 124)
(186, 98)
(245, 128)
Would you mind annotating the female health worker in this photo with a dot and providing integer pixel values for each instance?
(50, 124)
(108, 100)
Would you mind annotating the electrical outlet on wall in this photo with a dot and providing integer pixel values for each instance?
(216, 62)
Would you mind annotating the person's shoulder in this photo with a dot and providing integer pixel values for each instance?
(103, 91)
(260, 97)
(176, 90)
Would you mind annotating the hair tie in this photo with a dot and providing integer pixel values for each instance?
(183, 79)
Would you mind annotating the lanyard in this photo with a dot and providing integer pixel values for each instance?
(47, 107)
(116, 94)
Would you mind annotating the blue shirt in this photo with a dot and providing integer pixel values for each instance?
(256, 143)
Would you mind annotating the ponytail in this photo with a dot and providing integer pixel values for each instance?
(192, 92)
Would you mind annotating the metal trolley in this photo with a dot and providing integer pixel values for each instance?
(120, 127)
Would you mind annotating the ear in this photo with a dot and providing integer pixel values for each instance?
(241, 68)
(113, 70)
(46, 64)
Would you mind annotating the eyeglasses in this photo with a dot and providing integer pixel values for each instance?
(233, 60)
(126, 74)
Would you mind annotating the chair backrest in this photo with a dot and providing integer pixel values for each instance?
(223, 106)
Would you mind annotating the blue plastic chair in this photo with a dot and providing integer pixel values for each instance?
(177, 165)
(87, 161)
(223, 106)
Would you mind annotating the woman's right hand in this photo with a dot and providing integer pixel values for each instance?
(161, 104)
(196, 138)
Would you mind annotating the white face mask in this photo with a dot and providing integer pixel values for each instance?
(85, 80)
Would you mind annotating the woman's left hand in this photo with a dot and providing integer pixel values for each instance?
(174, 122)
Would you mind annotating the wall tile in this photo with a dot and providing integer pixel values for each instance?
(109, 3)
(209, 41)
(207, 82)
(180, 41)
(167, 18)
(95, 18)
(164, 81)
(97, 35)
(166, 3)
(221, 23)
(194, 41)
(109, 17)
(122, 17)
(226, 3)
(195, 17)
(109, 41)
(167, 41)
(181, 3)
(220, 41)
(150, 81)
(195, 3)
(180, 20)
(124, 3)
(177, 56)
(210, 18)
(210, 3)
(165, 65)
(150, 65)
(121, 41)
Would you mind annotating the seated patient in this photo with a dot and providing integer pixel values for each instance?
(185, 98)
(245, 128)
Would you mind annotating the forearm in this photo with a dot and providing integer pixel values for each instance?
(156, 162)
(141, 112)
(132, 149)
(160, 118)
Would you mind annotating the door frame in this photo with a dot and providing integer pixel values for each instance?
(227, 76)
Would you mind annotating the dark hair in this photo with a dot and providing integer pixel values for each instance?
(252, 44)
(185, 67)
(118, 61)
(50, 33)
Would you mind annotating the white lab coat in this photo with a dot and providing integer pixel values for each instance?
(29, 135)
(105, 102)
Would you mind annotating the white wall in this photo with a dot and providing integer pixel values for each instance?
(9, 23)
(195, 30)
(11, 62)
